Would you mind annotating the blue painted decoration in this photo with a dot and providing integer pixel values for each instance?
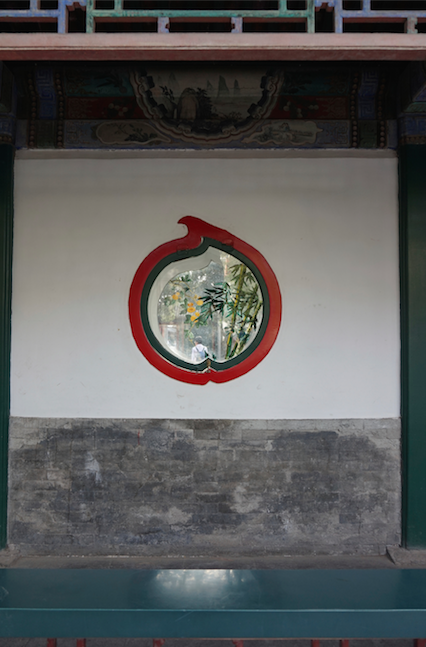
(409, 18)
(35, 14)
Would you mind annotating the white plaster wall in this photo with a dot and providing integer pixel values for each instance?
(328, 227)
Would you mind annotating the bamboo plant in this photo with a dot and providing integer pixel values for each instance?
(236, 300)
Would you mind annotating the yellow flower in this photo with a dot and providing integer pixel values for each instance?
(195, 316)
(199, 302)
(191, 309)
(190, 304)
(175, 296)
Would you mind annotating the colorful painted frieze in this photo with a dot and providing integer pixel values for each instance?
(171, 105)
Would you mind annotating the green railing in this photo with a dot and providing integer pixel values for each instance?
(123, 11)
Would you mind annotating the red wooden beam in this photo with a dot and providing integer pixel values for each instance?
(212, 47)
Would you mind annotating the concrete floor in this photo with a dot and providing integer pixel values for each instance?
(395, 558)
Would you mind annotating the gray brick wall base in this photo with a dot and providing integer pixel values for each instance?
(204, 487)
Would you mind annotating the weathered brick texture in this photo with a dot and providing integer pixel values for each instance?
(195, 487)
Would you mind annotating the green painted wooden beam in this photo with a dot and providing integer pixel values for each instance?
(413, 335)
(6, 231)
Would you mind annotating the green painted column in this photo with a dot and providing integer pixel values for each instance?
(412, 172)
(6, 232)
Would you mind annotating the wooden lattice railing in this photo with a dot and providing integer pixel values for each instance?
(382, 13)
(34, 12)
(338, 16)
(235, 12)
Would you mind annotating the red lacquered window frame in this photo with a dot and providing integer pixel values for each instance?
(197, 231)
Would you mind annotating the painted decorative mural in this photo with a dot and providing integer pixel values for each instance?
(209, 107)
(158, 105)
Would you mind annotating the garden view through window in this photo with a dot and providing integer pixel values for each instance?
(206, 307)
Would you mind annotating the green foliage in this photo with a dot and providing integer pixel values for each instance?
(219, 302)
(238, 302)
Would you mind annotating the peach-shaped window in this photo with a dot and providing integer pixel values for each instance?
(205, 307)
